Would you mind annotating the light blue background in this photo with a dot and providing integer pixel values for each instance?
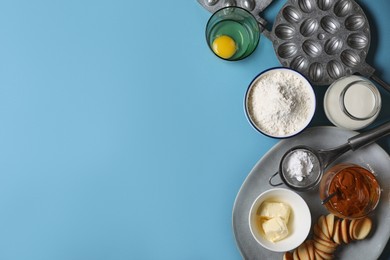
(122, 136)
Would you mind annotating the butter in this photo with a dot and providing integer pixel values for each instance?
(275, 229)
(269, 210)
(273, 219)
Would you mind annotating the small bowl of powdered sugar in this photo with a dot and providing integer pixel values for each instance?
(280, 102)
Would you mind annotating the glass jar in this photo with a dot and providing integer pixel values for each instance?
(350, 191)
(352, 102)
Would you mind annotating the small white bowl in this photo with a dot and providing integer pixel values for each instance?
(299, 222)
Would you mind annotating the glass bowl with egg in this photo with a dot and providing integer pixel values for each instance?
(280, 102)
(279, 219)
(232, 33)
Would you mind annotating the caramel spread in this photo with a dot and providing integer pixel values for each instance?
(357, 190)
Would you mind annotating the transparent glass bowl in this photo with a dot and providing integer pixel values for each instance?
(239, 27)
(353, 190)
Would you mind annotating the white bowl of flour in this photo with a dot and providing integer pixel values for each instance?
(280, 102)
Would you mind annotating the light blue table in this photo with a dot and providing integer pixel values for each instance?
(122, 136)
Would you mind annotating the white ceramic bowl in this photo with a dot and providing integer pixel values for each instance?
(299, 222)
(280, 102)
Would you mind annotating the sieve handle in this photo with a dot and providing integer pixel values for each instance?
(369, 137)
(380, 82)
(274, 184)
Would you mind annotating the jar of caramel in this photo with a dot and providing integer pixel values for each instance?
(349, 191)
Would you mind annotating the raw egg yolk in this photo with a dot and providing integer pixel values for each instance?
(224, 46)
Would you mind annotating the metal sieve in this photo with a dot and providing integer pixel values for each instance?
(322, 158)
(323, 39)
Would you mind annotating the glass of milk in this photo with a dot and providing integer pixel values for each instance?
(352, 102)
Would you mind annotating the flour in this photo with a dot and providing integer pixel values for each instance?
(280, 103)
(299, 165)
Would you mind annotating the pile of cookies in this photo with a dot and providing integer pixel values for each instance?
(328, 233)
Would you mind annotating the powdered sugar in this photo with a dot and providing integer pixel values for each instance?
(281, 102)
(300, 165)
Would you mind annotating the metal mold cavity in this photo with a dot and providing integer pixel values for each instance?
(300, 63)
(355, 22)
(312, 48)
(306, 6)
(342, 8)
(330, 24)
(285, 31)
(350, 58)
(292, 14)
(325, 5)
(287, 50)
(316, 71)
(228, 3)
(333, 45)
(309, 27)
(357, 41)
(335, 69)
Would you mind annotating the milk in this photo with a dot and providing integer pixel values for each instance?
(360, 101)
(352, 102)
